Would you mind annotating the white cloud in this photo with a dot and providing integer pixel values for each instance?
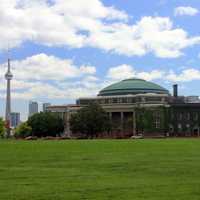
(187, 75)
(41, 76)
(77, 24)
(185, 10)
(88, 69)
(153, 75)
(120, 72)
(57, 24)
(48, 77)
(149, 35)
(126, 71)
(44, 67)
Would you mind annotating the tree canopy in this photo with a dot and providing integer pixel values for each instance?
(23, 130)
(90, 121)
(46, 124)
(2, 127)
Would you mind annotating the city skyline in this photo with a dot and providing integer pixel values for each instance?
(80, 51)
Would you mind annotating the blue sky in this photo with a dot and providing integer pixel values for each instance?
(62, 50)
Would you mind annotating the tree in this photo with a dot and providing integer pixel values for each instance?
(90, 121)
(46, 124)
(23, 130)
(2, 127)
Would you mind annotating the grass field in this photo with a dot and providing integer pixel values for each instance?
(100, 169)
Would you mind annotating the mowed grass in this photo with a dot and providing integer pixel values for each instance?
(100, 169)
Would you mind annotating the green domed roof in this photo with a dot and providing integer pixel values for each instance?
(132, 86)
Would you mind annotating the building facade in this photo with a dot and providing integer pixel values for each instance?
(33, 108)
(15, 119)
(44, 106)
(138, 107)
(184, 119)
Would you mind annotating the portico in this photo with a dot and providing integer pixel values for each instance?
(136, 106)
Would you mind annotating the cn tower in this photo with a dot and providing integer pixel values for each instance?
(8, 77)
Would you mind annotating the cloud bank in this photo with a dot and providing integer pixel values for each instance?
(75, 24)
(45, 76)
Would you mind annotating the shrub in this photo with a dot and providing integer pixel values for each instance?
(23, 130)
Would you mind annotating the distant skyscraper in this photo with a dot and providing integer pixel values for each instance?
(45, 105)
(14, 119)
(8, 77)
(33, 108)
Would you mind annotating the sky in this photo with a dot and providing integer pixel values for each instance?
(62, 50)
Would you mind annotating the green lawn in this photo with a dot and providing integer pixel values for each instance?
(100, 169)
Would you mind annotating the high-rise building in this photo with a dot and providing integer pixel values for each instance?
(14, 119)
(33, 108)
(45, 105)
(8, 77)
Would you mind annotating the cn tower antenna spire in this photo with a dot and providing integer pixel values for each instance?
(8, 77)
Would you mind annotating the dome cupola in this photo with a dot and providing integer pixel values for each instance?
(132, 86)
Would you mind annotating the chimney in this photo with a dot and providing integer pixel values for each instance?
(175, 90)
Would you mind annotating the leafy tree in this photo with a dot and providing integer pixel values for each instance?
(46, 124)
(23, 130)
(90, 121)
(2, 127)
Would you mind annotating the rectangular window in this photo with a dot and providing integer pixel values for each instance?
(157, 119)
(124, 100)
(188, 116)
(133, 100)
(180, 116)
(115, 100)
(102, 101)
(106, 101)
(153, 99)
(195, 116)
(179, 128)
(120, 100)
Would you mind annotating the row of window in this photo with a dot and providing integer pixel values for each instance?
(185, 116)
(185, 127)
(121, 100)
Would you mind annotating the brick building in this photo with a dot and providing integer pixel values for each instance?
(136, 107)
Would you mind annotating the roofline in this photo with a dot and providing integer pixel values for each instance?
(63, 106)
(136, 89)
(185, 104)
(127, 95)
